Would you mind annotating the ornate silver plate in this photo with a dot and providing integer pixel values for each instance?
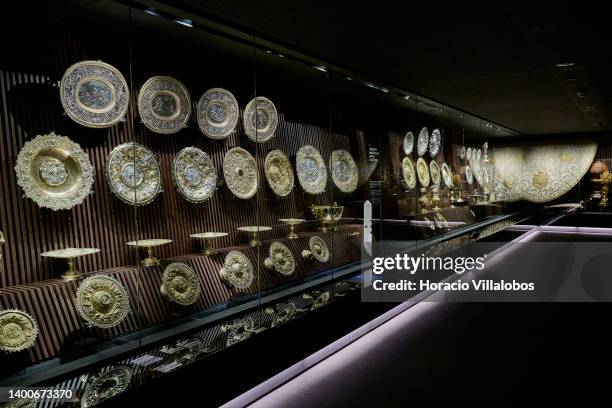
(422, 141)
(217, 113)
(446, 175)
(102, 301)
(468, 175)
(180, 284)
(283, 314)
(279, 173)
(435, 140)
(240, 172)
(260, 119)
(408, 172)
(408, 144)
(468, 153)
(311, 170)
(239, 330)
(133, 174)
(344, 171)
(478, 154)
(434, 171)
(194, 174)
(94, 94)
(462, 153)
(18, 330)
(281, 259)
(422, 172)
(237, 270)
(54, 172)
(164, 105)
(106, 385)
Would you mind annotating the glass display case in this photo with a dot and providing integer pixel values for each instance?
(166, 180)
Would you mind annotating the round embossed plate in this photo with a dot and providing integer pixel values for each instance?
(311, 170)
(422, 172)
(282, 258)
(345, 174)
(408, 172)
(180, 284)
(434, 171)
(164, 105)
(18, 330)
(260, 119)
(435, 142)
(108, 384)
(279, 173)
(54, 172)
(217, 113)
(408, 144)
(133, 174)
(446, 175)
(102, 301)
(240, 172)
(237, 270)
(94, 94)
(194, 174)
(422, 141)
(319, 249)
(468, 175)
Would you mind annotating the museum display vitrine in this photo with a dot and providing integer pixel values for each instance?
(163, 171)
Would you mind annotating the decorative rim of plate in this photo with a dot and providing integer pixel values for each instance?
(180, 284)
(127, 193)
(229, 275)
(257, 134)
(240, 180)
(408, 144)
(173, 88)
(87, 308)
(434, 171)
(422, 171)
(345, 178)
(20, 338)
(311, 183)
(282, 186)
(446, 175)
(55, 174)
(111, 77)
(435, 141)
(469, 176)
(408, 173)
(191, 178)
(422, 141)
(324, 255)
(208, 123)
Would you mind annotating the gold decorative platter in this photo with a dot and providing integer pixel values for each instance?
(281, 259)
(408, 173)
(344, 171)
(208, 237)
(54, 172)
(94, 94)
(422, 172)
(164, 105)
(194, 174)
(434, 171)
(237, 270)
(71, 255)
(279, 173)
(133, 174)
(217, 113)
(105, 385)
(292, 222)
(240, 173)
(18, 330)
(446, 175)
(180, 284)
(149, 244)
(317, 249)
(102, 301)
(260, 119)
(311, 170)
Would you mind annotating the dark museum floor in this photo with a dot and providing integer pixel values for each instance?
(508, 354)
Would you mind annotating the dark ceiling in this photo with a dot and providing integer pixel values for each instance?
(496, 59)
